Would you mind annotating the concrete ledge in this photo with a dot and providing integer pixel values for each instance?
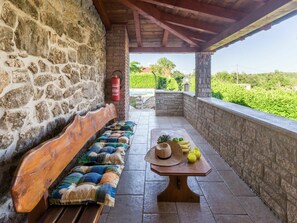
(269, 120)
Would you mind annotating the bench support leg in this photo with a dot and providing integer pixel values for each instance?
(39, 210)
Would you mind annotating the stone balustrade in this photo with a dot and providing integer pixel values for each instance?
(260, 147)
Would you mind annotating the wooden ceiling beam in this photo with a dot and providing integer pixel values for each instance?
(154, 14)
(229, 15)
(163, 49)
(137, 28)
(165, 38)
(102, 12)
(192, 24)
(271, 11)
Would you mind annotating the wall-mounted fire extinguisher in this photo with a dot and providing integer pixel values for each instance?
(116, 86)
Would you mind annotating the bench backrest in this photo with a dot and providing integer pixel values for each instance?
(41, 166)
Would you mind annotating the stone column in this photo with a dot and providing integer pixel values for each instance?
(203, 74)
(117, 58)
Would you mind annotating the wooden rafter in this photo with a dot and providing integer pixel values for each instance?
(192, 24)
(155, 15)
(102, 12)
(268, 13)
(137, 28)
(165, 38)
(163, 49)
(195, 6)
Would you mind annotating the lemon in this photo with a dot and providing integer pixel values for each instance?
(191, 158)
(197, 153)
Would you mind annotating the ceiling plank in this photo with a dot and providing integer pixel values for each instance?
(229, 15)
(163, 49)
(165, 38)
(192, 24)
(154, 14)
(137, 28)
(102, 12)
(271, 11)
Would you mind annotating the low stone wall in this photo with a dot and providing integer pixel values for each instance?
(52, 66)
(169, 103)
(260, 147)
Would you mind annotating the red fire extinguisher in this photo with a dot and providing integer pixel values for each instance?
(115, 86)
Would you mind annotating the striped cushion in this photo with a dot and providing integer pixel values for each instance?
(115, 136)
(122, 125)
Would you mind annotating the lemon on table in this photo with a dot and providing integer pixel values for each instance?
(197, 153)
(192, 157)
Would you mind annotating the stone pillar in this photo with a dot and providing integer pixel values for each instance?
(203, 74)
(117, 58)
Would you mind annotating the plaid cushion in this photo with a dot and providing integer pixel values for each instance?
(88, 184)
(104, 153)
(115, 136)
(122, 125)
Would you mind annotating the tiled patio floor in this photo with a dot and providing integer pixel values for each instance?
(225, 198)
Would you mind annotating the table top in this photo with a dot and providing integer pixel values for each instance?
(199, 168)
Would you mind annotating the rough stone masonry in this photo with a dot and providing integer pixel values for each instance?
(52, 65)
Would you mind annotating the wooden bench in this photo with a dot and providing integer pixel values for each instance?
(41, 166)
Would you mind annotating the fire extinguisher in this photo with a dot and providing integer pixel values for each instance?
(115, 86)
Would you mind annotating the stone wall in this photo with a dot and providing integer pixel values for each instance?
(52, 65)
(260, 147)
(117, 58)
(169, 103)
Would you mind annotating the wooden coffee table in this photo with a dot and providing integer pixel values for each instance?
(178, 189)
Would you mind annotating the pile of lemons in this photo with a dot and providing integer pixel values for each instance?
(194, 155)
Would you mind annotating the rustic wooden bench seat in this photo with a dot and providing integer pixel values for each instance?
(41, 166)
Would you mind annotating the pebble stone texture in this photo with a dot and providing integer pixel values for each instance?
(225, 198)
(52, 65)
(117, 58)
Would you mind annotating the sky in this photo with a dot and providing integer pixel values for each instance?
(265, 51)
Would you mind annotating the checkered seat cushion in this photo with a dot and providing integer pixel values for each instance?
(88, 184)
(104, 153)
(122, 125)
(115, 136)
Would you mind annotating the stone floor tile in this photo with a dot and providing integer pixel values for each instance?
(103, 218)
(212, 176)
(128, 209)
(220, 199)
(233, 219)
(141, 132)
(206, 149)
(257, 210)
(152, 176)
(138, 148)
(139, 140)
(193, 184)
(218, 162)
(235, 184)
(160, 218)
(151, 205)
(135, 162)
(106, 209)
(195, 212)
(131, 182)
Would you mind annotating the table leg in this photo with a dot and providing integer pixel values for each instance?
(178, 191)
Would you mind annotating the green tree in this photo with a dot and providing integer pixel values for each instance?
(163, 67)
(179, 77)
(135, 67)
